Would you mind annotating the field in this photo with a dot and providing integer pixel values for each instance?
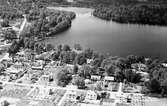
(14, 91)
(46, 95)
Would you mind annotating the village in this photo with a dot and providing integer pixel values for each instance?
(35, 83)
(31, 80)
(35, 73)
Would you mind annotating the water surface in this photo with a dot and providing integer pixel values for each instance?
(114, 38)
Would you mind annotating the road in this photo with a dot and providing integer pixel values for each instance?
(40, 86)
(22, 26)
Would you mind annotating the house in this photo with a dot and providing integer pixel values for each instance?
(70, 65)
(91, 95)
(108, 86)
(16, 70)
(136, 100)
(108, 79)
(164, 65)
(45, 78)
(108, 102)
(89, 61)
(71, 86)
(21, 53)
(19, 65)
(13, 72)
(132, 90)
(101, 70)
(6, 58)
(33, 103)
(38, 65)
(45, 55)
(87, 81)
(70, 0)
(95, 77)
(139, 66)
(144, 75)
(71, 95)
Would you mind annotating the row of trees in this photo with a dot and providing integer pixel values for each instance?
(140, 14)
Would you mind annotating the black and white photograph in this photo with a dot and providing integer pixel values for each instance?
(83, 52)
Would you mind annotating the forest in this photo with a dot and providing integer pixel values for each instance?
(135, 14)
(46, 22)
(9, 13)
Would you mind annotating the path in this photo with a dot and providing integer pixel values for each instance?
(22, 26)
(62, 99)
(120, 88)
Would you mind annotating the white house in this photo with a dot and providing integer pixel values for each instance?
(16, 70)
(144, 75)
(21, 53)
(95, 77)
(45, 78)
(164, 64)
(87, 81)
(108, 78)
(91, 95)
(71, 95)
(89, 61)
(39, 65)
(71, 86)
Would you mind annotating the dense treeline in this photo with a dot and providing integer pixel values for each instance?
(10, 13)
(140, 14)
(158, 78)
(47, 22)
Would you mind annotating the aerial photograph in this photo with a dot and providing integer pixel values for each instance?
(83, 52)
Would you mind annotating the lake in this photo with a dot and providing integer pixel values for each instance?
(111, 37)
